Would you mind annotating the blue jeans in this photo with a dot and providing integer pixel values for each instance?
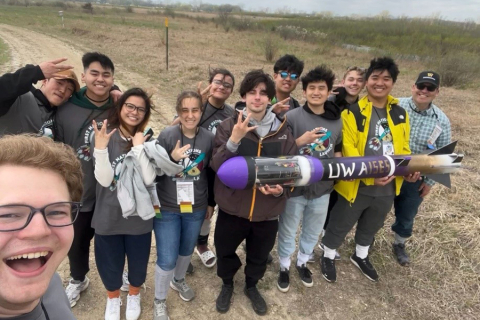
(176, 234)
(406, 208)
(311, 213)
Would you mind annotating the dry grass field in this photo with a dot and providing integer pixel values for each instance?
(443, 282)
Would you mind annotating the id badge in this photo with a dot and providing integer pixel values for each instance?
(434, 136)
(387, 148)
(185, 196)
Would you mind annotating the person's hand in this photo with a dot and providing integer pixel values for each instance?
(424, 189)
(101, 136)
(115, 95)
(275, 190)
(241, 128)
(281, 106)
(209, 214)
(139, 138)
(179, 153)
(336, 86)
(50, 68)
(204, 93)
(175, 121)
(412, 177)
(383, 181)
(309, 137)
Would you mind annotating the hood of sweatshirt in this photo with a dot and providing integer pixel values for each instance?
(78, 98)
(332, 111)
(268, 123)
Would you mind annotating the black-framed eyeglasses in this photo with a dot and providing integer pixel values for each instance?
(15, 217)
(422, 86)
(131, 107)
(285, 74)
(226, 85)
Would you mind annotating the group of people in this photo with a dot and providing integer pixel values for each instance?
(97, 171)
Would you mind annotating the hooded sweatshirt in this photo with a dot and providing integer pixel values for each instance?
(74, 127)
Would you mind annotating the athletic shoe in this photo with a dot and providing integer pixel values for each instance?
(134, 307)
(401, 254)
(306, 275)
(74, 288)
(283, 282)
(125, 284)
(365, 266)
(186, 293)
(337, 255)
(258, 303)
(329, 271)
(112, 311)
(160, 310)
(224, 299)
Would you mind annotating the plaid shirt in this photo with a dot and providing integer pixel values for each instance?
(422, 124)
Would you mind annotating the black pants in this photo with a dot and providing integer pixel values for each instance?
(110, 252)
(230, 231)
(79, 253)
(331, 204)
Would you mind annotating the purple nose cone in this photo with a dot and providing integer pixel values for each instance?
(317, 169)
(234, 173)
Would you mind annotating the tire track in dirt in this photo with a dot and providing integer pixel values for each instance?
(30, 47)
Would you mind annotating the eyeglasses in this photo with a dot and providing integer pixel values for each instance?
(285, 74)
(131, 107)
(15, 217)
(422, 86)
(226, 85)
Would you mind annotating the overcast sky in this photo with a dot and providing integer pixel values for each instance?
(458, 10)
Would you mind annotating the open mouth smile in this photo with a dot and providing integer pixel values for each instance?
(28, 264)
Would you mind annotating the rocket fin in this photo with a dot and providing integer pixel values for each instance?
(458, 159)
(449, 148)
(441, 178)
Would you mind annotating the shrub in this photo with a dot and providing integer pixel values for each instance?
(456, 68)
(270, 48)
(169, 12)
(88, 7)
(129, 9)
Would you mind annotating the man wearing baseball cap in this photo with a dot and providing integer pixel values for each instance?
(429, 130)
(25, 109)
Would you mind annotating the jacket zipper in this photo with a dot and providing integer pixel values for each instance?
(259, 150)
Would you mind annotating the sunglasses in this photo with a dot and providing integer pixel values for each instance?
(422, 86)
(285, 74)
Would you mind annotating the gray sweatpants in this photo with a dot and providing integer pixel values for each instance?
(368, 212)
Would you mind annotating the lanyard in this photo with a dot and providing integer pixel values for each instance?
(386, 128)
(193, 147)
(213, 113)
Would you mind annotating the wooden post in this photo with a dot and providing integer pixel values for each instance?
(166, 35)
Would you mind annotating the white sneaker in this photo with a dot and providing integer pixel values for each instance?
(112, 311)
(74, 289)
(133, 307)
(125, 284)
(160, 310)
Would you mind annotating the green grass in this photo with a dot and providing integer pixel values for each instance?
(4, 54)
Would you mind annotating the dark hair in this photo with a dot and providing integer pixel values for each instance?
(90, 57)
(185, 95)
(382, 64)
(289, 63)
(253, 79)
(114, 119)
(320, 73)
(223, 72)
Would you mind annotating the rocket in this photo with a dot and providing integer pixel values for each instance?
(248, 172)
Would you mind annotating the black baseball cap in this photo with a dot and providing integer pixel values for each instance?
(429, 77)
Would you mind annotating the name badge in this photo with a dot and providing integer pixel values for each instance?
(387, 148)
(185, 196)
(434, 136)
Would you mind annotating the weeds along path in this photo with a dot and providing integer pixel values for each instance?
(30, 47)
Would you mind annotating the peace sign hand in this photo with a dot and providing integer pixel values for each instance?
(101, 136)
(205, 93)
(281, 106)
(50, 68)
(309, 137)
(179, 153)
(241, 128)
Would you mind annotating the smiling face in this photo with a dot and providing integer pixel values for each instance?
(133, 112)
(257, 99)
(379, 85)
(354, 82)
(218, 90)
(98, 80)
(316, 93)
(424, 97)
(190, 113)
(57, 91)
(25, 280)
(285, 85)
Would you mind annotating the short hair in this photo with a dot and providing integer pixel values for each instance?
(253, 79)
(289, 63)
(28, 150)
(223, 72)
(359, 70)
(382, 64)
(90, 57)
(320, 73)
(185, 95)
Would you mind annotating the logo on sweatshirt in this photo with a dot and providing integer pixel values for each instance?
(47, 129)
(117, 168)
(213, 126)
(319, 148)
(84, 153)
(192, 165)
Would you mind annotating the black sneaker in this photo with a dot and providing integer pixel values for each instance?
(224, 298)
(190, 268)
(258, 303)
(283, 283)
(401, 254)
(365, 266)
(269, 258)
(329, 271)
(305, 275)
